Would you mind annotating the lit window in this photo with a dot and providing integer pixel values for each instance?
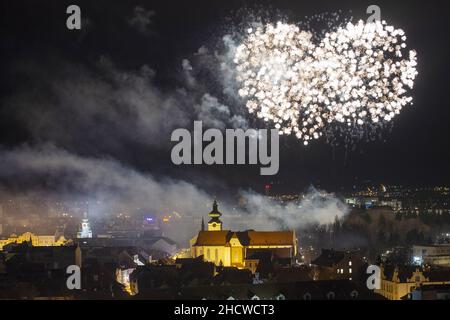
(349, 263)
(342, 271)
(349, 270)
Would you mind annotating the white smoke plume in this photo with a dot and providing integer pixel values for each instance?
(141, 20)
(314, 207)
(88, 125)
(117, 188)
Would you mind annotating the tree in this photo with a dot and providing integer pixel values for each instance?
(394, 239)
(415, 237)
(381, 238)
(366, 217)
(381, 221)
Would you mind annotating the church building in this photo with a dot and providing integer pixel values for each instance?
(240, 248)
(85, 231)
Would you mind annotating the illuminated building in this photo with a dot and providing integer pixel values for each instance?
(85, 231)
(1, 219)
(398, 282)
(434, 255)
(239, 249)
(333, 264)
(150, 222)
(34, 240)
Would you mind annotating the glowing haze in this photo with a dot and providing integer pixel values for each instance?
(358, 75)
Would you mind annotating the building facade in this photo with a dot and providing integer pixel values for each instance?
(34, 240)
(334, 265)
(398, 282)
(435, 255)
(85, 230)
(240, 249)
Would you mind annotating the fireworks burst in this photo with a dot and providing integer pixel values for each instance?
(356, 76)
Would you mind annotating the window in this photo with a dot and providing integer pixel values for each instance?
(349, 263)
(342, 271)
(330, 295)
(349, 270)
(208, 254)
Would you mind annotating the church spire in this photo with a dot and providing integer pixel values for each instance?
(215, 211)
(85, 231)
(215, 224)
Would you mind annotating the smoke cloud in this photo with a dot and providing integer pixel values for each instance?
(114, 188)
(141, 20)
(314, 207)
(101, 133)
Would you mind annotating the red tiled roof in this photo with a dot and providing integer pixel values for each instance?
(271, 237)
(213, 238)
(247, 238)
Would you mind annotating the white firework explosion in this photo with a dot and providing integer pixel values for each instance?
(356, 75)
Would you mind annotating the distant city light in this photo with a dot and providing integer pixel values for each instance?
(417, 260)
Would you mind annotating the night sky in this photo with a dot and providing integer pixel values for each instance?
(52, 77)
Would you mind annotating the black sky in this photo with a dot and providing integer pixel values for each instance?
(416, 151)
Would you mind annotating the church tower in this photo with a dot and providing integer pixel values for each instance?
(203, 225)
(85, 231)
(214, 224)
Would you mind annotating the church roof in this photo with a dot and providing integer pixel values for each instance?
(271, 237)
(246, 238)
(213, 238)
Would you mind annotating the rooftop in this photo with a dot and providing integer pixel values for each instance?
(246, 238)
